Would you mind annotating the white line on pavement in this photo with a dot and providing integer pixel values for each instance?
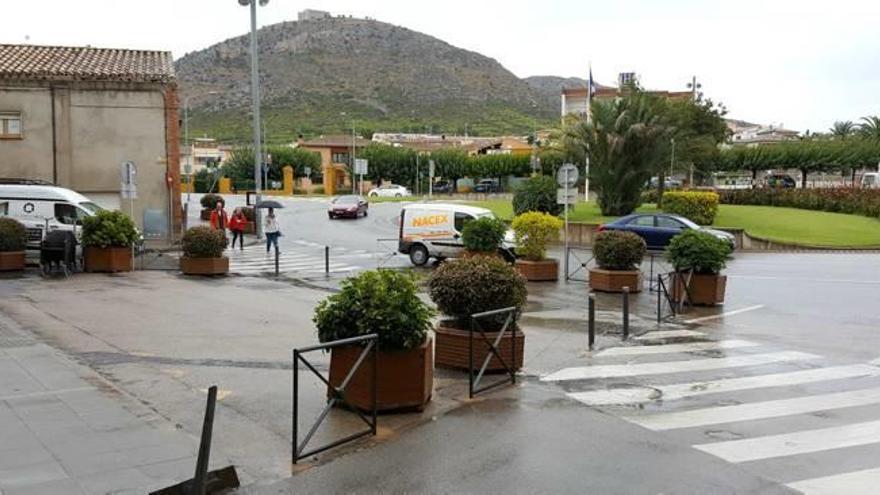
(725, 314)
(617, 370)
(673, 348)
(801, 442)
(801, 280)
(45, 393)
(757, 410)
(677, 391)
(855, 483)
(667, 334)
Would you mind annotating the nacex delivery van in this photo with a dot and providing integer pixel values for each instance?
(433, 230)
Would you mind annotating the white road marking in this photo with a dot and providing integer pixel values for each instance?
(725, 314)
(801, 442)
(45, 393)
(617, 370)
(673, 348)
(800, 279)
(682, 390)
(855, 483)
(756, 410)
(876, 362)
(667, 334)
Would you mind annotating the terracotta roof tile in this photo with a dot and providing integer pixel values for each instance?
(62, 63)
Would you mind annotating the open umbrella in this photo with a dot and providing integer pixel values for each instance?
(270, 203)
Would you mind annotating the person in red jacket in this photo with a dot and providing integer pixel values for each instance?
(237, 224)
(219, 218)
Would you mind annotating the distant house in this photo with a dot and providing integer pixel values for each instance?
(200, 154)
(574, 100)
(744, 133)
(426, 143)
(73, 115)
(312, 15)
(336, 157)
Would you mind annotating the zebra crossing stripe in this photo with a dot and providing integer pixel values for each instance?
(801, 442)
(620, 370)
(668, 334)
(678, 391)
(756, 410)
(673, 348)
(854, 483)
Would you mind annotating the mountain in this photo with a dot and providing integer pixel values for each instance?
(552, 85)
(385, 77)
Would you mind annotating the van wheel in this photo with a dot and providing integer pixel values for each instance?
(418, 255)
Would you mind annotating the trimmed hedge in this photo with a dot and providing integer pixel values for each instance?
(699, 251)
(483, 235)
(536, 194)
(618, 250)
(533, 231)
(13, 235)
(109, 229)
(698, 206)
(203, 242)
(856, 201)
(209, 201)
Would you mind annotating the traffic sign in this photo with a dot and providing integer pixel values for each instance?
(431, 168)
(361, 166)
(567, 175)
(128, 179)
(565, 196)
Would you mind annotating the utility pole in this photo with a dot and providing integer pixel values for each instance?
(694, 86)
(255, 97)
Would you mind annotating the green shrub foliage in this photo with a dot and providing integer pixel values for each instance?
(701, 252)
(618, 250)
(483, 234)
(698, 206)
(858, 201)
(471, 285)
(13, 235)
(203, 242)
(536, 194)
(385, 302)
(210, 201)
(109, 229)
(533, 231)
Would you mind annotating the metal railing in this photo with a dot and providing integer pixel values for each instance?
(667, 285)
(474, 380)
(658, 265)
(573, 272)
(386, 250)
(337, 393)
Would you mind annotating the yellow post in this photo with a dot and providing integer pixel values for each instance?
(288, 180)
(225, 185)
(329, 180)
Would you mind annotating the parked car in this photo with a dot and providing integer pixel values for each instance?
(658, 229)
(348, 206)
(871, 180)
(443, 187)
(389, 191)
(433, 230)
(781, 181)
(487, 186)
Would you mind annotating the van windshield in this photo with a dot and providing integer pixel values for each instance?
(90, 207)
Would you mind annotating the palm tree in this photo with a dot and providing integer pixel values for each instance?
(871, 127)
(843, 129)
(627, 141)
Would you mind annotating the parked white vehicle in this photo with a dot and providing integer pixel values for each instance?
(389, 191)
(45, 208)
(433, 230)
(871, 180)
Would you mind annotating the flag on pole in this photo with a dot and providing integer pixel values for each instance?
(590, 89)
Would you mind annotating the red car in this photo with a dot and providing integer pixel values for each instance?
(348, 206)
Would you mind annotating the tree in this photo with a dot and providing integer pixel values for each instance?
(627, 141)
(870, 128)
(699, 129)
(240, 165)
(843, 129)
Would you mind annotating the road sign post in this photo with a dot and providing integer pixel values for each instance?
(128, 190)
(360, 168)
(566, 177)
(430, 178)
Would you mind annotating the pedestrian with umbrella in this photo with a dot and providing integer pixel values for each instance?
(270, 224)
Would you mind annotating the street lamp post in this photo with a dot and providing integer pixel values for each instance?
(255, 96)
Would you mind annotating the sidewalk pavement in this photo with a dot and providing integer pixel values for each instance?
(65, 429)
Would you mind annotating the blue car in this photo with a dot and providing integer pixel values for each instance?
(657, 229)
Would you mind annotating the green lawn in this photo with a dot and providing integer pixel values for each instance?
(788, 225)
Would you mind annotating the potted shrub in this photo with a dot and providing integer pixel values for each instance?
(533, 231)
(483, 236)
(537, 194)
(209, 202)
(384, 302)
(203, 252)
(618, 256)
(698, 258)
(13, 240)
(108, 237)
(471, 285)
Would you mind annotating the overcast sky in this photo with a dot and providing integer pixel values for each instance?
(801, 63)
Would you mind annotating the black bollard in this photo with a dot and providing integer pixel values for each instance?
(625, 313)
(591, 322)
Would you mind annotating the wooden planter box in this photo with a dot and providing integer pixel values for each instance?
(704, 289)
(538, 271)
(11, 261)
(250, 228)
(615, 280)
(452, 349)
(205, 215)
(110, 259)
(405, 379)
(204, 266)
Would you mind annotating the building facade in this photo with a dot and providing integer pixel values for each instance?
(575, 101)
(73, 115)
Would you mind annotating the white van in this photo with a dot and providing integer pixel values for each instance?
(44, 208)
(433, 230)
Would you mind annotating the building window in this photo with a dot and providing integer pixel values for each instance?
(341, 158)
(10, 124)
